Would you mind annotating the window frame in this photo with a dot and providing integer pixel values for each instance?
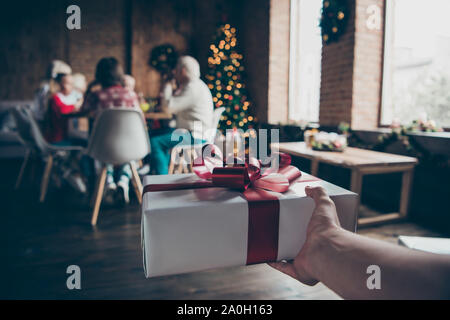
(383, 58)
(291, 22)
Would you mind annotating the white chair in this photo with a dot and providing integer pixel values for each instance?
(119, 137)
(182, 157)
(37, 147)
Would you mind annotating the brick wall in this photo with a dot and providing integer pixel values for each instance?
(154, 23)
(34, 33)
(351, 72)
(103, 33)
(30, 37)
(337, 76)
(367, 77)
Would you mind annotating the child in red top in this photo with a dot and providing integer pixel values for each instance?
(63, 102)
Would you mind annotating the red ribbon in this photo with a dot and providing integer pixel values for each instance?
(255, 182)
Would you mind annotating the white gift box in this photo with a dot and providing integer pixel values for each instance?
(197, 229)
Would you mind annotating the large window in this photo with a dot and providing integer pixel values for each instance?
(305, 60)
(416, 79)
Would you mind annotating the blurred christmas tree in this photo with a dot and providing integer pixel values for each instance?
(224, 79)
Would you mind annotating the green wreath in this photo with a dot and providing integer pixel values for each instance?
(334, 19)
(164, 58)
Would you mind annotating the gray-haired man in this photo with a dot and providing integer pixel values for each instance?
(191, 103)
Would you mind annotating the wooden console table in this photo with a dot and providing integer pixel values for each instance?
(361, 162)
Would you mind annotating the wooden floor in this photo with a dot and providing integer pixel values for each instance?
(43, 240)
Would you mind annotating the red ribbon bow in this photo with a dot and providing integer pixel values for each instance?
(248, 173)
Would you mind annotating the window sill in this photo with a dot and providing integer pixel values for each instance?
(434, 142)
(439, 135)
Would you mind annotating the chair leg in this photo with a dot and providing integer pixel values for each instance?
(33, 164)
(179, 168)
(22, 169)
(194, 156)
(173, 155)
(46, 178)
(98, 195)
(188, 161)
(136, 180)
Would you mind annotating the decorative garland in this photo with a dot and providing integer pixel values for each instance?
(164, 58)
(325, 141)
(412, 147)
(334, 19)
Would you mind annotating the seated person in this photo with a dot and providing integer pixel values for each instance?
(129, 82)
(112, 93)
(190, 103)
(65, 101)
(77, 127)
(79, 82)
(47, 88)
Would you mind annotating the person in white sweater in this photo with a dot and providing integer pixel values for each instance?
(192, 105)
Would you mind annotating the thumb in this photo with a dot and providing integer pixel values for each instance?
(317, 193)
(325, 207)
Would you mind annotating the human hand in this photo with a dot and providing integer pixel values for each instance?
(79, 103)
(92, 87)
(323, 221)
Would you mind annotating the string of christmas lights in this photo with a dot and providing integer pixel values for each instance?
(224, 79)
(334, 19)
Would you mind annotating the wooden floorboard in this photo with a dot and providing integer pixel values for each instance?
(42, 240)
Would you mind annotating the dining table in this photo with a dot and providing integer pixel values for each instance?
(84, 119)
(360, 162)
(157, 116)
